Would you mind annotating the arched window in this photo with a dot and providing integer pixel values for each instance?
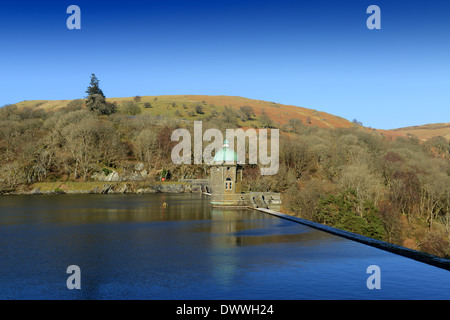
(228, 184)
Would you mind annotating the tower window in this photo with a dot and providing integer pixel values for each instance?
(228, 184)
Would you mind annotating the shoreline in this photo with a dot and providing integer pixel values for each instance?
(98, 187)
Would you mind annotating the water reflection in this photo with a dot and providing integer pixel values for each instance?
(133, 247)
(246, 228)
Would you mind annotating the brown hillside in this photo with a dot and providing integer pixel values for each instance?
(426, 131)
(278, 113)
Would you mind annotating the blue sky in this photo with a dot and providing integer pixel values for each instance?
(316, 55)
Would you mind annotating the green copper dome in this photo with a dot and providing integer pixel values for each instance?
(226, 154)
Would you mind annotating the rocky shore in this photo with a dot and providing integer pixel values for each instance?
(108, 188)
(120, 188)
(137, 180)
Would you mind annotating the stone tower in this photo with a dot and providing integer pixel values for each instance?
(226, 178)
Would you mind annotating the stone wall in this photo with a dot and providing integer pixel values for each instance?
(233, 200)
(266, 200)
(199, 185)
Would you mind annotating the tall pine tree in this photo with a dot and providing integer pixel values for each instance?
(96, 101)
(94, 87)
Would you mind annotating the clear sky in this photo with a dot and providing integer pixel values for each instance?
(314, 54)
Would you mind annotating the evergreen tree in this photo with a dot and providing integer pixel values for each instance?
(94, 87)
(339, 211)
(96, 101)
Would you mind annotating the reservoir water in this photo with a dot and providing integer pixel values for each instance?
(133, 247)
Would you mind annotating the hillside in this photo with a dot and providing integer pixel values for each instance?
(167, 106)
(427, 131)
(183, 107)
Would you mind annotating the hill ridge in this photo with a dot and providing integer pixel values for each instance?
(167, 105)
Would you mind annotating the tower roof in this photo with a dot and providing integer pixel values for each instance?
(226, 154)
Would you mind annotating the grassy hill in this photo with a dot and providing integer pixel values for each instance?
(184, 107)
(427, 131)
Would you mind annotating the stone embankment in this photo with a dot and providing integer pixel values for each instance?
(118, 188)
(135, 180)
